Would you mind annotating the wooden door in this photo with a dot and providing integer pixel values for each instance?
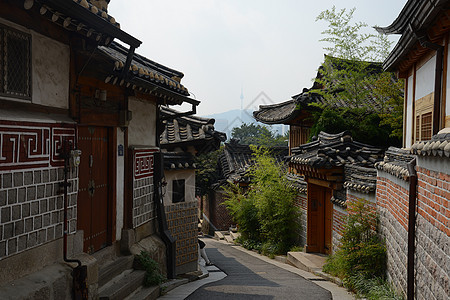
(93, 187)
(320, 219)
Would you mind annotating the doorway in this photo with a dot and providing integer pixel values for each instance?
(93, 185)
(320, 219)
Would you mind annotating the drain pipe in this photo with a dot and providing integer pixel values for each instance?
(411, 228)
(79, 273)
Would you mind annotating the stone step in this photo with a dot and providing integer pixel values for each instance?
(113, 268)
(229, 239)
(145, 293)
(306, 261)
(122, 285)
(235, 235)
(218, 235)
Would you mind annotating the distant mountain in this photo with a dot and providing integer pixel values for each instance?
(226, 121)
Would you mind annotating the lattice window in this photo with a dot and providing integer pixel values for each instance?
(15, 63)
(424, 118)
(178, 190)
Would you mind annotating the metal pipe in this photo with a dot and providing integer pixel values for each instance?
(411, 228)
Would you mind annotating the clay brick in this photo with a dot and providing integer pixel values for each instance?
(19, 227)
(37, 222)
(37, 177)
(3, 197)
(12, 246)
(32, 239)
(29, 224)
(18, 179)
(16, 212)
(22, 243)
(21, 195)
(28, 178)
(31, 193)
(8, 230)
(12, 196)
(7, 180)
(6, 214)
(45, 176)
(41, 191)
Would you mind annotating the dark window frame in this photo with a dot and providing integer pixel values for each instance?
(5, 90)
(178, 190)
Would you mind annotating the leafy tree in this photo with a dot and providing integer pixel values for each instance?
(260, 135)
(265, 211)
(207, 171)
(352, 77)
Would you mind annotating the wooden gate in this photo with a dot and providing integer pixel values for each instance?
(320, 219)
(93, 208)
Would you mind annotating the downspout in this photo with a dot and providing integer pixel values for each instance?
(166, 236)
(79, 274)
(411, 228)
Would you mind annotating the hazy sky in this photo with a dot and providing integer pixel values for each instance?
(223, 46)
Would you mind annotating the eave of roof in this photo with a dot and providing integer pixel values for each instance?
(416, 15)
(85, 18)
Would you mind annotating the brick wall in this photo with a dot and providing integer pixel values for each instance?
(182, 219)
(31, 202)
(392, 206)
(144, 209)
(220, 217)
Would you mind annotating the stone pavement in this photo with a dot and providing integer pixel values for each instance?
(251, 275)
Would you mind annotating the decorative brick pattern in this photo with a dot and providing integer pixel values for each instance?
(31, 208)
(182, 219)
(143, 201)
(144, 209)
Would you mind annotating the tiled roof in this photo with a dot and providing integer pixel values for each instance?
(194, 130)
(144, 75)
(360, 179)
(237, 159)
(86, 17)
(395, 161)
(335, 150)
(297, 182)
(439, 145)
(178, 160)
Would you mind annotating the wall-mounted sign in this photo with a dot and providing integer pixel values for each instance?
(120, 150)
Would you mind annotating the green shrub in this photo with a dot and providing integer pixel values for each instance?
(152, 274)
(265, 212)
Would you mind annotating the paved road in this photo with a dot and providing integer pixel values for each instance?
(251, 278)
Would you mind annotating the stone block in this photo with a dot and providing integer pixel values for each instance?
(16, 212)
(34, 208)
(22, 243)
(12, 196)
(28, 178)
(29, 224)
(12, 246)
(42, 236)
(47, 219)
(18, 179)
(41, 191)
(45, 176)
(19, 227)
(21, 195)
(6, 214)
(59, 202)
(3, 197)
(43, 206)
(25, 210)
(32, 239)
(8, 230)
(57, 189)
(2, 249)
(128, 239)
(37, 177)
(48, 190)
(37, 222)
(31, 193)
(58, 231)
(50, 233)
(51, 204)
(7, 180)
(53, 175)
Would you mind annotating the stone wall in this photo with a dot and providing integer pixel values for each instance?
(31, 201)
(182, 220)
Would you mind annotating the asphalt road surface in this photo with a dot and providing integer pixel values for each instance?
(251, 278)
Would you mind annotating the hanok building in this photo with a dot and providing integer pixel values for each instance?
(336, 170)
(66, 87)
(184, 137)
(413, 195)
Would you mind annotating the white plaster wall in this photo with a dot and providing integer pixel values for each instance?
(120, 186)
(51, 71)
(409, 112)
(50, 63)
(425, 78)
(142, 127)
(188, 176)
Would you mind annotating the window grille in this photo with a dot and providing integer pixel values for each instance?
(178, 191)
(15, 63)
